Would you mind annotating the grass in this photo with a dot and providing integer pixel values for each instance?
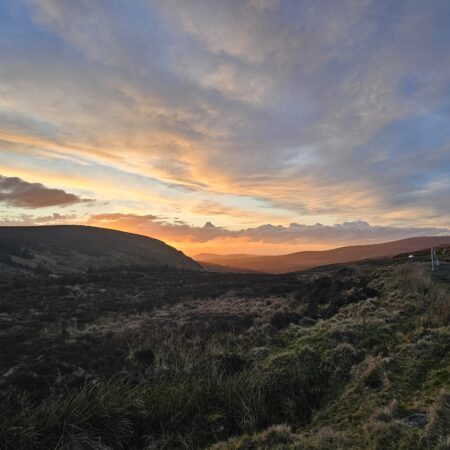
(115, 413)
(390, 370)
(365, 366)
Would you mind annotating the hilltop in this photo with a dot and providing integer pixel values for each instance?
(307, 259)
(76, 248)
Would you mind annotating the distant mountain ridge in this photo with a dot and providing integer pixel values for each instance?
(307, 259)
(208, 256)
(76, 248)
(219, 268)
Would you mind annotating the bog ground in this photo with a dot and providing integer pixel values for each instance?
(349, 356)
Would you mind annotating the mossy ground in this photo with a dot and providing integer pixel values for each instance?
(354, 357)
(389, 377)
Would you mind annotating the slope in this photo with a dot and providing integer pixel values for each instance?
(308, 259)
(74, 248)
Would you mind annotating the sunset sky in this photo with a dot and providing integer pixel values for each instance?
(257, 126)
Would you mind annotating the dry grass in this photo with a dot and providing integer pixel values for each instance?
(386, 413)
(437, 431)
(372, 372)
(414, 279)
(186, 381)
(276, 437)
(438, 308)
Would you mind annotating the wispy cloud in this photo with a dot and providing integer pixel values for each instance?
(315, 111)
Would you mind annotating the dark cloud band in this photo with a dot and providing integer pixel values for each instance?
(347, 232)
(16, 192)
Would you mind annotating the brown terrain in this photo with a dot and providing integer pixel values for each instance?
(142, 354)
(308, 259)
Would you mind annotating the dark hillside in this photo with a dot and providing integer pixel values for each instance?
(73, 248)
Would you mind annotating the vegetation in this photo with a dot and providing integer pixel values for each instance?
(344, 357)
(73, 248)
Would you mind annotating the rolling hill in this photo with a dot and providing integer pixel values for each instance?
(75, 248)
(307, 259)
(219, 268)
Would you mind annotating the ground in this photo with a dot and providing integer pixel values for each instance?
(348, 356)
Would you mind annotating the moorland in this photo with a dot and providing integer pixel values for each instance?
(347, 356)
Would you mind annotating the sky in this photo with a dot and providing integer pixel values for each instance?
(234, 126)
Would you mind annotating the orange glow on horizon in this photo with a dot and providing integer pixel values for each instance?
(222, 245)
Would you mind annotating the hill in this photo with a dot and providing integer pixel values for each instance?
(212, 256)
(74, 248)
(347, 357)
(211, 267)
(307, 259)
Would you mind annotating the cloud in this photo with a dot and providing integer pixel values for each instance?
(55, 218)
(151, 225)
(324, 110)
(30, 220)
(347, 232)
(19, 193)
(293, 234)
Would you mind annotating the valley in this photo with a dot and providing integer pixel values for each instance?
(307, 259)
(346, 356)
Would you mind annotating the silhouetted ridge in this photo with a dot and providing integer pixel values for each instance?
(76, 248)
